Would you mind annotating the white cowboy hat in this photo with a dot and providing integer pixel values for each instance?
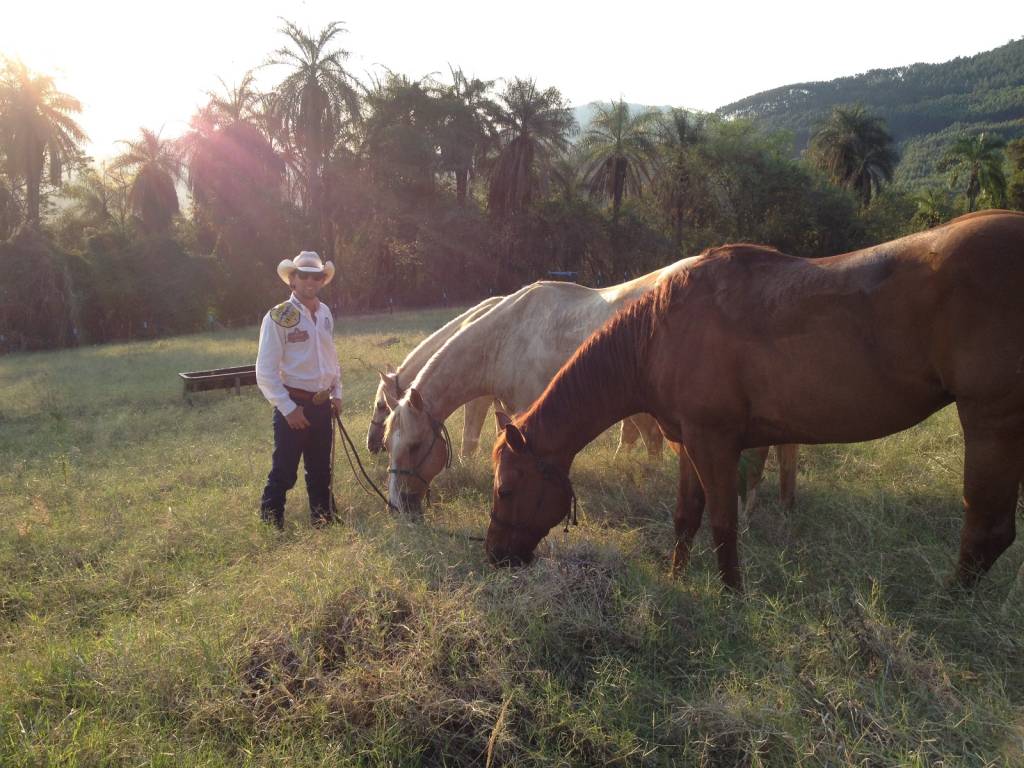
(307, 261)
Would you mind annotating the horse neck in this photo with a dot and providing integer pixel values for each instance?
(426, 349)
(458, 372)
(602, 384)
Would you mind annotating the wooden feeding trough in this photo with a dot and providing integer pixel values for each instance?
(219, 378)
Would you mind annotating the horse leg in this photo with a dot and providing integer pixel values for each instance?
(475, 415)
(628, 435)
(992, 472)
(755, 459)
(717, 462)
(787, 458)
(689, 510)
(648, 427)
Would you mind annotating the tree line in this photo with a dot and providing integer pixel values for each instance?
(423, 191)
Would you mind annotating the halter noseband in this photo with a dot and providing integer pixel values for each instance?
(551, 473)
(440, 432)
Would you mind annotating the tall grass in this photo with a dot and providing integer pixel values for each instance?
(147, 618)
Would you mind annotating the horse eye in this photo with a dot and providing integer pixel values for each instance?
(504, 493)
(414, 447)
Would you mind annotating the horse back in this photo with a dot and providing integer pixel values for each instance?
(851, 346)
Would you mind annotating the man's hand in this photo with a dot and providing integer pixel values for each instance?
(336, 406)
(297, 419)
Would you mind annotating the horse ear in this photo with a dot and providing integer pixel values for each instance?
(502, 418)
(387, 390)
(515, 439)
(415, 400)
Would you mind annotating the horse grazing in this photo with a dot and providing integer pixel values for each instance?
(750, 347)
(389, 390)
(510, 353)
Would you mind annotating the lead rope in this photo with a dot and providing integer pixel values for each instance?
(346, 444)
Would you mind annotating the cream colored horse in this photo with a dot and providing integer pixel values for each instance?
(640, 428)
(390, 388)
(509, 353)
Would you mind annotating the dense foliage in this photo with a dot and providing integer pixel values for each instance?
(429, 191)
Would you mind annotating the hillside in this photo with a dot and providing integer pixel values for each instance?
(925, 105)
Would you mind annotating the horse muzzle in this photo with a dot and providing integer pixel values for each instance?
(502, 558)
(411, 504)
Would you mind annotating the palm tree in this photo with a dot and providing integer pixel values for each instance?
(156, 165)
(228, 154)
(401, 132)
(979, 159)
(9, 210)
(533, 128)
(314, 100)
(469, 130)
(99, 198)
(932, 209)
(233, 171)
(679, 181)
(234, 104)
(855, 149)
(617, 152)
(37, 132)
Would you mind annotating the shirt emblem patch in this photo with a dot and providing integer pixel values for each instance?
(298, 336)
(285, 314)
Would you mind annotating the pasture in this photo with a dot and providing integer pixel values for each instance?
(147, 618)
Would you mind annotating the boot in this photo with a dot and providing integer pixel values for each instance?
(273, 517)
(323, 515)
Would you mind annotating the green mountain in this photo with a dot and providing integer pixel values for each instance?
(924, 105)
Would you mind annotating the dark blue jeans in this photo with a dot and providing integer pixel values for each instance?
(313, 446)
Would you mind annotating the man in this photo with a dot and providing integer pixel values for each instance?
(298, 372)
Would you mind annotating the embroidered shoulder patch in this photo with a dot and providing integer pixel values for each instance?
(285, 314)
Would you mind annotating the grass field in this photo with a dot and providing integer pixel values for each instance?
(147, 618)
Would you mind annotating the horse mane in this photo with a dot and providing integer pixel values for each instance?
(610, 361)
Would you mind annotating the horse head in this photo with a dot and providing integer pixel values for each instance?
(387, 397)
(531, 496)
(418, 448)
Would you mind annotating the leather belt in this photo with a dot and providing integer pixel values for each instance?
(316, 398)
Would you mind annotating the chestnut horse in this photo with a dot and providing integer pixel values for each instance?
(749, 347)
(511, 353)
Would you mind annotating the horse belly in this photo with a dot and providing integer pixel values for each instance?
(841, 403)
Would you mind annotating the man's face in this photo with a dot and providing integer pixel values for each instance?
(306, 284)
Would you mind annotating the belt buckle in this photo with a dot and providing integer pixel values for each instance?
(321, 397)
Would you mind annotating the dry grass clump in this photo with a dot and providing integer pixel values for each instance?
(720, 733)
(461, 674)
(378, 665)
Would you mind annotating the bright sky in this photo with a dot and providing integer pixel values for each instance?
(149, 64)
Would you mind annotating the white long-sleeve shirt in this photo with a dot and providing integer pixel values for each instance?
(298, 352)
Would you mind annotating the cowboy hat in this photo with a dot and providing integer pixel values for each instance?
(307, 261)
